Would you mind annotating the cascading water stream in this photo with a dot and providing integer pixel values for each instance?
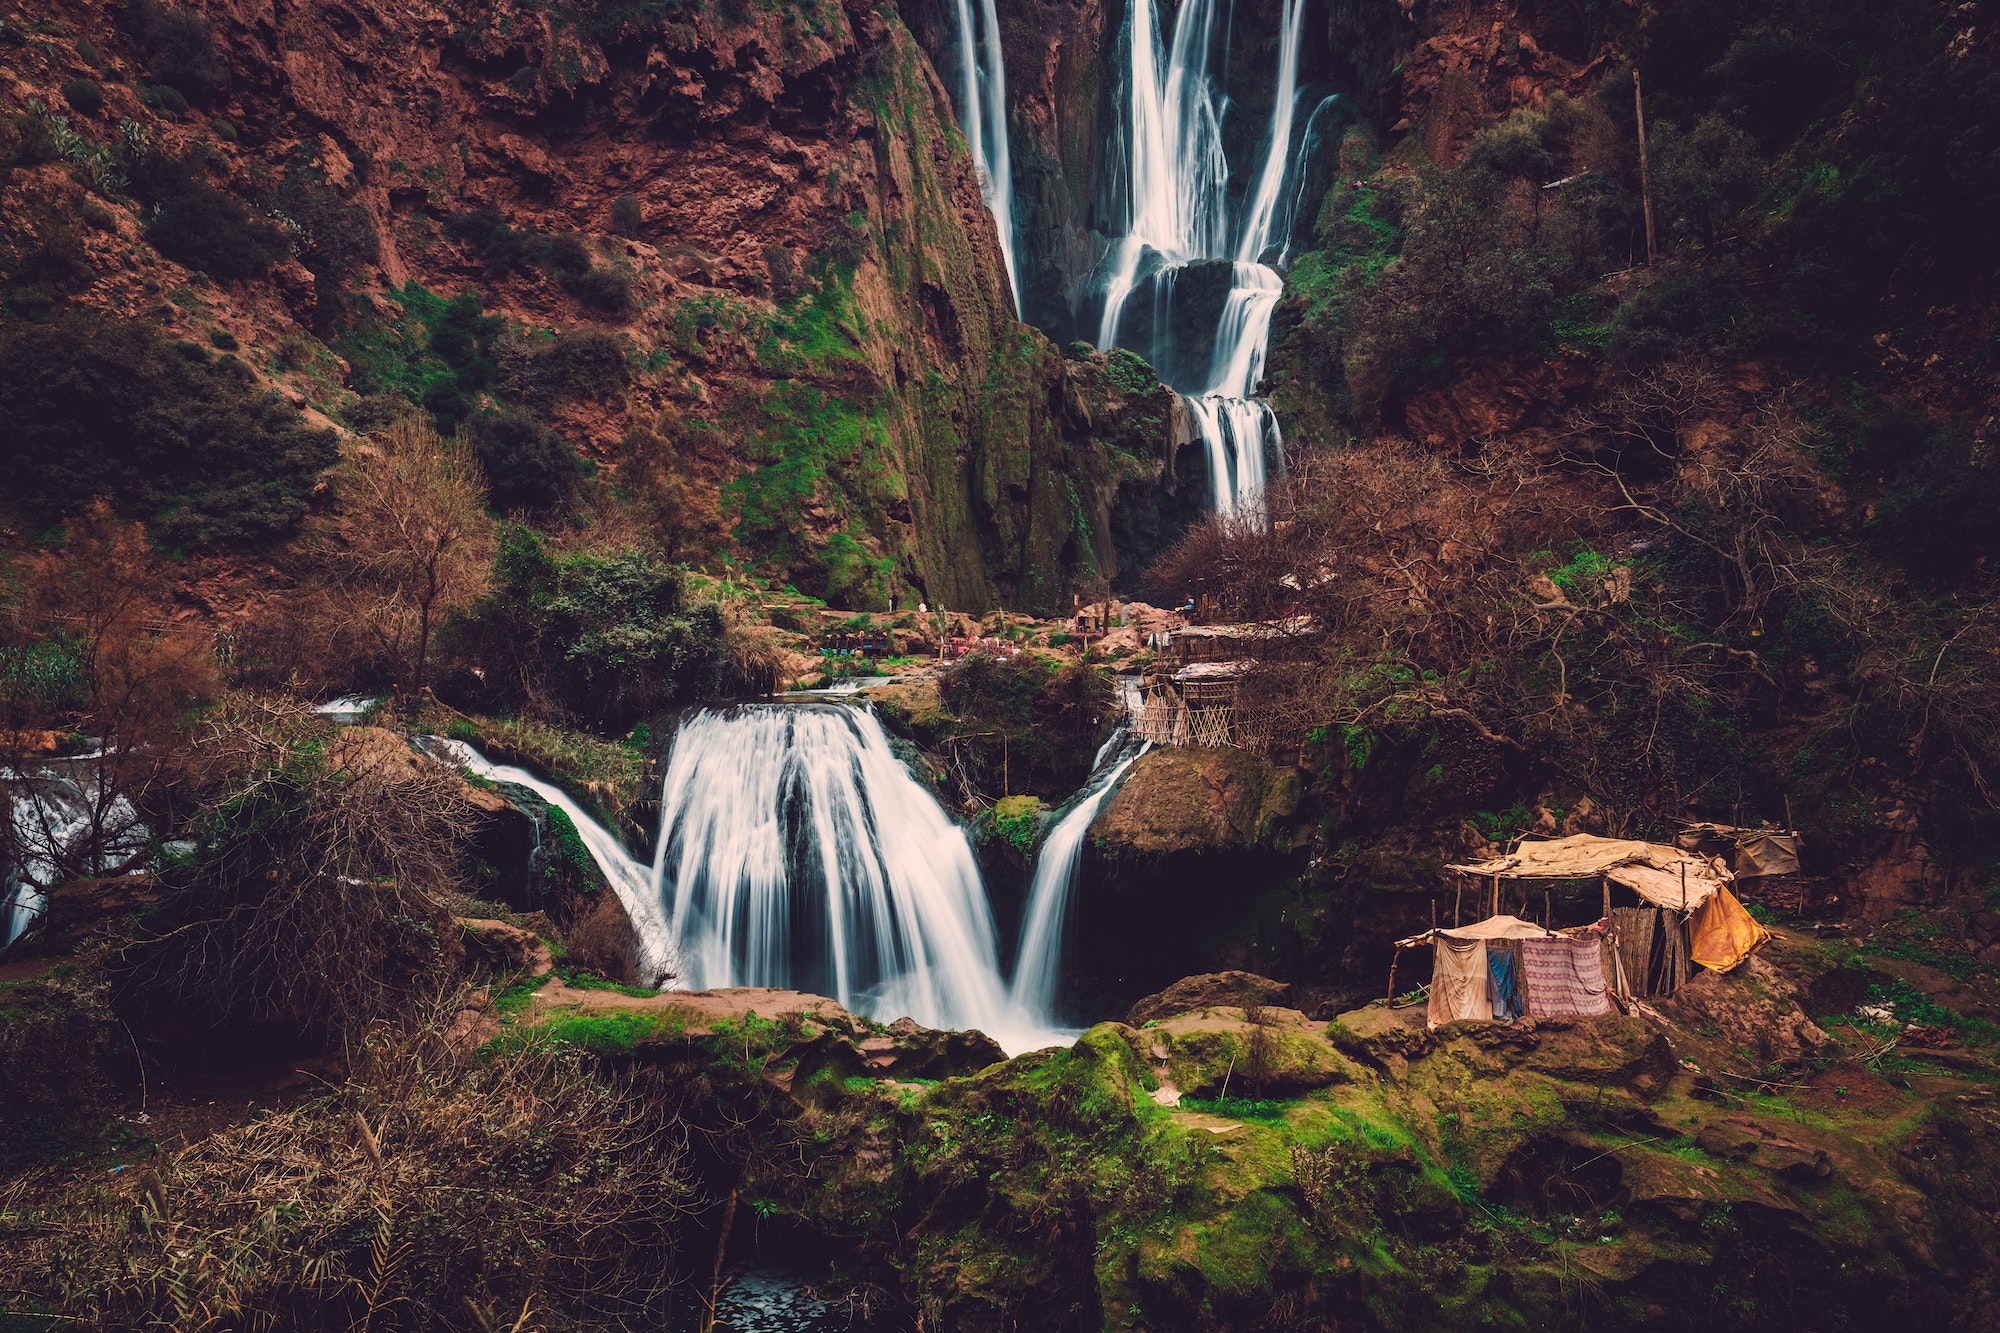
(796, 851)
(982, 114)
(1176, 213)
(1038, 968)
(631, 880)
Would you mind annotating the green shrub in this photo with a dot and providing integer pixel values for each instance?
(223, 130)
(166, 101)
(178, 47)
(331, 236)
(96, 407)
(608, 638)
(195, 224)
(588, 363)
(529, 468)
(439, 353)
(626, 216)
(605, 290)
(223, 339)
(500, 247)
(568, 256)
(87, 49)
(84, 97)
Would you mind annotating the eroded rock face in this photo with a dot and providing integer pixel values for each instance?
(823, 338)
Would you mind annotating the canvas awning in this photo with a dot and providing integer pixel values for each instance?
(1663, 876)
(1492, 928)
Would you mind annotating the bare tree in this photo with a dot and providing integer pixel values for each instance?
(410, 541)
(92, 652)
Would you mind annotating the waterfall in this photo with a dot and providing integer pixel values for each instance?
(982, 114)
(1038, 969)
(631, 880)
(796, 851)
(1175, 212)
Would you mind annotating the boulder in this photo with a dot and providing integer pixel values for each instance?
(1220, 1050)
(1239, 989)
(1193, 800)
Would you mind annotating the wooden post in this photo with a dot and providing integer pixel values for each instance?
(1645, 172)
(1496, 897)
(1457, 900)
(1394, 958)
(1548, 911)
(1684, 886)
(1604, 882)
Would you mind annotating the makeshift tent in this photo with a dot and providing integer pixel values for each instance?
(1754, 852)
(1504, 967)
(1684, 914)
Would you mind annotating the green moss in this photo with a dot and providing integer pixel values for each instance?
(618, 1031)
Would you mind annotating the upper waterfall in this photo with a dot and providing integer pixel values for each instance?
(1175, 211)
(982, 114)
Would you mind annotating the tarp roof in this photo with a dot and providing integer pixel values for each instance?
(1492, 928)
(1231, 670)
(1663, 876)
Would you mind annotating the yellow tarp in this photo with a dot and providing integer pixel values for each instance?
(1723, 933)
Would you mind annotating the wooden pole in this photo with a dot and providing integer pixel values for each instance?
(1394, 958)
(1645, 172)
(1604, 882)
(1457, 900)
(1548, 911)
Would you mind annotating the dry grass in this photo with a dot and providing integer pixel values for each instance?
(435, 1190)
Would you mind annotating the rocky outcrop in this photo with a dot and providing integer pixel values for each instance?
(1210, 990)
(1176, 801)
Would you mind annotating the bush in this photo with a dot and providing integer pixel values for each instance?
(588, 363)
(179, 49)
(195, 224)
(223, 130)
(502, 248)
(84, 97)
(166, 101)
(568, 256)
(604, 290)
(332, 237)
(525, 1179)
(96, 407)
(607, 638)
(87, 50)
(311, 898)
(529, 468)
(223, 339)
(626, 216)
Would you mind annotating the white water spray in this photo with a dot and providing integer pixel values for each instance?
(796, 851)
(982, 114)
(1040, 960)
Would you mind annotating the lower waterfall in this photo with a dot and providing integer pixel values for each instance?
(796, 851)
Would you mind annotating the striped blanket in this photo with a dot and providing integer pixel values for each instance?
(1564, 977)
